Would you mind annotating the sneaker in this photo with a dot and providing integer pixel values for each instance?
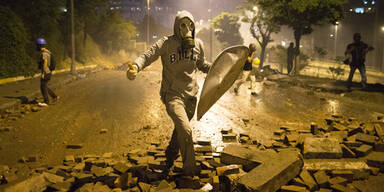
(42, 104)
(254, 93)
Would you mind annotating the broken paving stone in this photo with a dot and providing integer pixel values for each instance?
(144, 187)
(338, 180)
(107, 155)
(292, 188)
(350, 167)
(34, 183)
(164, 186)
(122, 167)
(363, 150)
(297, 181)
(248, 158)
(204, 142)
(229, 169)
(69, 158)
(79, 167)
(204, 149)
(82, 178)
(338, 188)
(279, 132)
(376, 159)
(379, 128)
(103, 131)
(226, 130)
(322, 148)
(347, 152)
(62, 186)
(52, 178)
(352, 143)
(368, 139)
(372, 184)
(309, 181)
(274, 173)
(74, 146)
(379, 147)
(374, 170)
(322, 179)
(229, 137)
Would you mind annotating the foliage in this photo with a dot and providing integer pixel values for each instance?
(301, 15)
(320, 52)
(226, 28)
(205, 36)
(117, 32)
(336, 72)
(262, 24)
(14, 60)
(23, 21)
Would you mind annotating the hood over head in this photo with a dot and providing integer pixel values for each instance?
(179, 16)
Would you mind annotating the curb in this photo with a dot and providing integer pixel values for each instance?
(20, 78)
(13, 105)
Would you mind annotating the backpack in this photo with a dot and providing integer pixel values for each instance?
(52, 65)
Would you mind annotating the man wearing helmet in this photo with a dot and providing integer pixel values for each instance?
(181, 56)
(44, 62)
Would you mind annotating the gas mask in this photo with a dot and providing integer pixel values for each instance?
(186, 28)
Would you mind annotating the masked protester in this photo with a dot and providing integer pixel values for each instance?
(357, 51)
(181, 56)
(46, 66)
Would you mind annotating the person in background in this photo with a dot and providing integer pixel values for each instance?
(357, 51)
(44, 63)
(290, 57)
(247, 69)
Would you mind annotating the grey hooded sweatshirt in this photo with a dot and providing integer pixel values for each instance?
(179, 66)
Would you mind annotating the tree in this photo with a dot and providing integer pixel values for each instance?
(14, 59)
(226, 28)
(117, 31)
(301, 15)
(262, 24)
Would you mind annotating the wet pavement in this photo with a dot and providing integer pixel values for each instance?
(133, 115)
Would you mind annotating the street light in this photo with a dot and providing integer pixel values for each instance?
(382, 28)
(335, 43)
(147, 22)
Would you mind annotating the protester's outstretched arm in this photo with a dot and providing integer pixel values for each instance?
(145, 59)
(151, 55)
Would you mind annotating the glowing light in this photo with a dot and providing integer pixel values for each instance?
(331, 35)
(382, 28)
(359, 10)
(283, 43)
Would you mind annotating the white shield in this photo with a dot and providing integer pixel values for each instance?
(223, 73)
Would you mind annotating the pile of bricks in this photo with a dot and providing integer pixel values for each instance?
(344, 155)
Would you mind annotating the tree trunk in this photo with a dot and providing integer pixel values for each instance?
(262, 54)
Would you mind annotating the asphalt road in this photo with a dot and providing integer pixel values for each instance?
(134, 116)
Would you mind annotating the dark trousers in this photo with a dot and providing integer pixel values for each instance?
(45, 90)
(289, 66)
(362, 73)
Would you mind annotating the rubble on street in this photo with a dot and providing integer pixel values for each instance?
(344, 155)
